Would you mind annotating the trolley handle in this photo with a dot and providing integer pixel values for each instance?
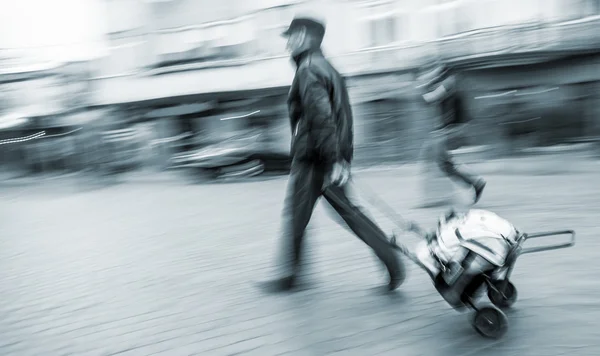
(536, 235)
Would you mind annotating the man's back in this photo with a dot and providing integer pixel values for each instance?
(319, 92)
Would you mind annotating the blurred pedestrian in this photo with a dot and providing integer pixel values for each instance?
(442, 92)
(322, 151)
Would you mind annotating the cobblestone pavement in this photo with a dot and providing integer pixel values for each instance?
(169, 269)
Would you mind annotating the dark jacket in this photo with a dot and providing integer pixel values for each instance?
(453, 111)
(452, 105)
(320, 112)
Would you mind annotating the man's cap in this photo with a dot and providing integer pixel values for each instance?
(311, 24)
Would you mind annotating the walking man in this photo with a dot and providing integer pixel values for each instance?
(322, 150)
(443, 92)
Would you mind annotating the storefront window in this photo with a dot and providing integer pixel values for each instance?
(384, 119)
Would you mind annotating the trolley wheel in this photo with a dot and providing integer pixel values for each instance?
(503, 297)
(490, 322)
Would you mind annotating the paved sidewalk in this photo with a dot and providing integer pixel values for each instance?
(168, 269)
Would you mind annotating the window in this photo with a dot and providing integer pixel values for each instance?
(569, 10)
(381, 22)
(454, 17)
(219, 40)
(177, 45)
(189, 32)
(382, 31)
(591, 8)
(189, 45)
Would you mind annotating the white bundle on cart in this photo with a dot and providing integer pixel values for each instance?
(486, 235)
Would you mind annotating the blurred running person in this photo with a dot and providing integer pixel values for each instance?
(441, 91)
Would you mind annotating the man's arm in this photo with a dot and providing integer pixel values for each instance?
(317, 109)
(436, 94)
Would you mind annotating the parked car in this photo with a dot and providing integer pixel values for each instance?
(243, 155)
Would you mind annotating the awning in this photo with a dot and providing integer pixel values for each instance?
(269, 73)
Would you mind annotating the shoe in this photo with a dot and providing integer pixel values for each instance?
(479, 186)
(280, 285)
(397, 277)
(394, 284)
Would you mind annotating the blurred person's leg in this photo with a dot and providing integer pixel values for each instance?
(436, 188)
(342, 199)
(303, 191)
(446, 163)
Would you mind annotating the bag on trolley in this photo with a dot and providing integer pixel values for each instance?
(464, 247)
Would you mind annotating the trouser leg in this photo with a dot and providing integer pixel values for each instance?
(447, 165)
(304, 189)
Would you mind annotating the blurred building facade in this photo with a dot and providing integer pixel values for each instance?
(41, 103)
(45, 72)
(148, 34)
(199, 66)
(227, 59)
